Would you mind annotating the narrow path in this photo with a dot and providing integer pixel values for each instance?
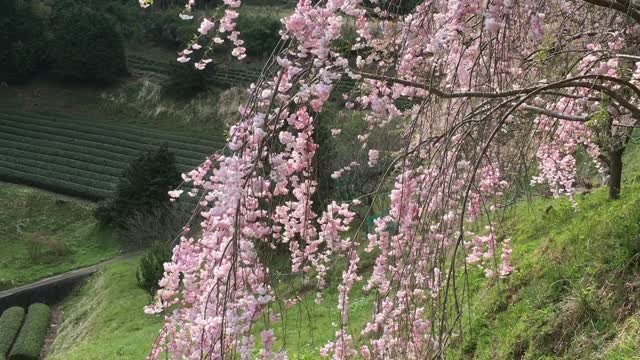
(78, 273)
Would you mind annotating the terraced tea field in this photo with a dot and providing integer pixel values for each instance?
(225, 76)
(237, 76)
(81, 158)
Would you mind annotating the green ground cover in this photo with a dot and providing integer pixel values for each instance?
(104, 318)
(574, 294)
(42, 234)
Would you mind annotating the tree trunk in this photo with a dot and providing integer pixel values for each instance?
(615, 172)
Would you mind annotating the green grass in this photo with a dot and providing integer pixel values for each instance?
(62, 226)
(575, 293)
(104, 318)
(307, 326)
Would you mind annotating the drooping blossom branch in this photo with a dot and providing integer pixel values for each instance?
(478, 89)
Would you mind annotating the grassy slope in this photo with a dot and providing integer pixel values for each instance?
(104, 318)
(576, 292)
(28, 213)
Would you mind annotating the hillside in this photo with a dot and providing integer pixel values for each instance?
(104, 319)
(43, 234)
(575, 293)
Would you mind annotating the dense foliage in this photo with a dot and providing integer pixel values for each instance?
(260, 33)
(151, 268)
(142, 188)
(10, 323)
(185, 81)
(24, 39)
(31, 337)
(86, 45)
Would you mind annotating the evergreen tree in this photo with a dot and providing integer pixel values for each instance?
(143, 187)
(86, 46)
(23, 37)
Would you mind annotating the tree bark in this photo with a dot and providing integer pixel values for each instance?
(615, 172)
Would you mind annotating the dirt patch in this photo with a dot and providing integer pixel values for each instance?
(55, 320)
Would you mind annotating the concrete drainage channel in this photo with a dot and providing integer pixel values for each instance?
(48, 291)
(52, 289)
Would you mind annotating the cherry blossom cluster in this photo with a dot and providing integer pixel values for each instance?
(473, 87)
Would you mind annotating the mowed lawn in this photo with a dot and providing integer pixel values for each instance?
(42, 234)
(84, 159)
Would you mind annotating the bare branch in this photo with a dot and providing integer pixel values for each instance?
(542, 111)
(619, 6)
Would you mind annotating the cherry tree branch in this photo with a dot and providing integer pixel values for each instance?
(621, 6)
(565, 83)
(557, 115)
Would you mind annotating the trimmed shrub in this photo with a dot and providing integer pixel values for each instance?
(186, 81)
(124, 132)
(47, 180)
(10, 323)
(260, 33)
(151, 267)
(86, 46)
(31, 337)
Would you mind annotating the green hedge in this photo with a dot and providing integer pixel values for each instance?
(67, 158)
(223, 76)
(73, 178)
(67, 137)
(27, 156)
(87, 125)
(31, 337)
(117, 143)
(74, 158)
(104, 157)
(10, 323)
(52, 184)
(229, 76)
(34, 148)
(65, 146)
(124, 141)
(63, 169)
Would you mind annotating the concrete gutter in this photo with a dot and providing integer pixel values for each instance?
(52, 289)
